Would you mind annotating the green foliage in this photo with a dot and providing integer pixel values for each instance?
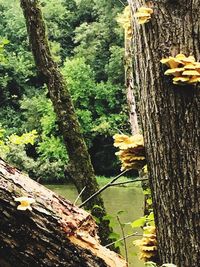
(35, 109)
(12, 149)
(139, 222)
(76, 29)
(24, 139)
(98, 105)
(51, 171)
(8, 142)
(54, 13)
(111, 219)
(112, 223)
(52, 149)
(97, 33)
(12, 22)
(143, 221)
(115, 67)
(150, 264)
(4, 149)
(51, 152)
(113, 236)
(17, 156)
(80, 80)
(3, 42)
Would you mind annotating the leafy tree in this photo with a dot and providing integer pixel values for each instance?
(99, 108)
(20, 83)
(80, 167)
(95, 38)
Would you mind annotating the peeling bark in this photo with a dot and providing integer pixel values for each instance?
(171, 124)
(54, 233)
(80, 167)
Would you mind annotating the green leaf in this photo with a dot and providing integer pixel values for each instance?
(107, 217)
(147, 191)
(139, 222)
(114, 236)
(5, 41)
(96, 219)
(2, 132)
(150, 264)
(151, 217)
(118, 244)
(24, 139)
(149, 201)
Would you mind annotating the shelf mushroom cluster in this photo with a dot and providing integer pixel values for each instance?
(131, 151)
(143, 14)
(148, 244)
(184, 69)
(124, 20)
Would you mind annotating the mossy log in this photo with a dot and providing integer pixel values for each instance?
(53, 233)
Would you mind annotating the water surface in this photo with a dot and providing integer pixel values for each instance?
(127, 199)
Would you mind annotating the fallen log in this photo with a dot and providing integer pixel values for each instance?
(51, 232)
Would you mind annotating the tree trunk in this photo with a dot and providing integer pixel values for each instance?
(54, 233)
(80, 167)
(129, 83)
(171, 124)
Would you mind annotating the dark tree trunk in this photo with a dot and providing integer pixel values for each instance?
(80, 167)
(171, 124)
(54, 233)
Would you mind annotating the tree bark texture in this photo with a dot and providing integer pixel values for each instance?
(171, 124)
(54, 233)
(80, 167)
(129, 83)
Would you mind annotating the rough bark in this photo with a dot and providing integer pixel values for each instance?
(54, 233)
(80, 167)
(171, 124)
(129, 83)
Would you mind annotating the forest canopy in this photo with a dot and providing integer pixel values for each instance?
(87, 43)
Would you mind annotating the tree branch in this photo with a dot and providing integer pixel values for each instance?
(128, 182)
(103, 188)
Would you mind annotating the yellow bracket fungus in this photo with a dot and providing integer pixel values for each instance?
(174, 72)
(25, 203)
(124, 20)
(131, 151)
(148, 244)
(143, 14)
(184, 69)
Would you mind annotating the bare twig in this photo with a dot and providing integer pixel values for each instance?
(128, 182)
(79, 195)
(103, 188)
(121, 2)
(124, 239)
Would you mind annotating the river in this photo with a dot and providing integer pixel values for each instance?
(128, 199)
